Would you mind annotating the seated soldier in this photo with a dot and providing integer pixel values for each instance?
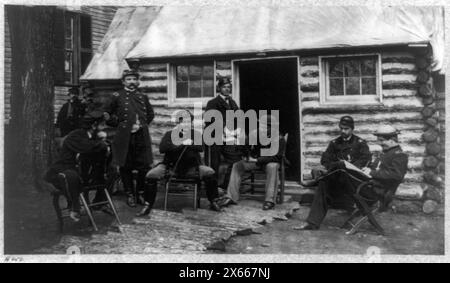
(90, 139)
(347, 147)
(387, 173)
(389, 170)
(183, 159)
(270, 164)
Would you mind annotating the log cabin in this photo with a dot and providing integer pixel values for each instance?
(314, 64)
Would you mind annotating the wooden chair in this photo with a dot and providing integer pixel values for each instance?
(62, 213)
(366, 209)
(192, 180)
(251, 181)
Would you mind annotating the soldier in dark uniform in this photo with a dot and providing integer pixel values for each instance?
(184, 158)
(90, 139)
(131, 113)
(389, 170)
(70, 115)
(333, 184)
(221, 103)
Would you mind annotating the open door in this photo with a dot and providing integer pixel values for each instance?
(272, 84)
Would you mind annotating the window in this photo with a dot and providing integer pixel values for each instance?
(351, 79)
(194, 80)
(74, 46)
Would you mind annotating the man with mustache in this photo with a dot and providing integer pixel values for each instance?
(131, 112)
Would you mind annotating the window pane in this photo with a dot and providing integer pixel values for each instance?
(182, 89)
(336, 87)
(352, 86)
(195, 88)
(336, 68)
(68, 62)
(351, 68)
(195, 72)
(208, 72)
(368, 67)
(68, 33)
(182, 73)
(208, 88)
(368, 85)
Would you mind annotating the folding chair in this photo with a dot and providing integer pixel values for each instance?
(250, 180)
(364, 211)
(62, 213)
(193, 180)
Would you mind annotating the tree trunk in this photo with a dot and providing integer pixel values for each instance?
(32, 37)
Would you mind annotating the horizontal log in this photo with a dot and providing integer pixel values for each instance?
(309, 68)
(313, 87)
(403, 101)
(391, 93)
(223, 73)
(310, 74)
(351, 109)
(153, 78)
(153, 68)
(403, 60)
(309, 94)
(223, 65)
(153, 83)
(403, 78)
(399, 85)
(361, 127)
(400, 66)
(411, 137)
(422, 62)
(312, 98)
(305, 61)
(399, 71)
(149, 89)
(415, 163)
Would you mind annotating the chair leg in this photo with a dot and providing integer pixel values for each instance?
(166, 195)
(58, 212)
(195, 196)
(88, 211)
(112, 206)
(354, 214)
(252, 183)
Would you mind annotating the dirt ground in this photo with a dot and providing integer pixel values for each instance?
(30, 224)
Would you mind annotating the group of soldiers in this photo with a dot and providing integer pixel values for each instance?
(82, 123)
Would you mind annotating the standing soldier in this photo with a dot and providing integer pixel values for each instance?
(221, 103)
(70, 115)
(131, 113)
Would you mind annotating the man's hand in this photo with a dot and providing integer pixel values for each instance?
(187, 142)
(106, 116)
(102, 135)
(251, 159)
(366, 170)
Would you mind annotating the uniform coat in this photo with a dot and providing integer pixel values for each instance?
(355, 151)
(123, 110)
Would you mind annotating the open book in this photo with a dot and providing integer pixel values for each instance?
(352, 167)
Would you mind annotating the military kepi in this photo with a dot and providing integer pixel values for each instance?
(131, 72)
(347, 121)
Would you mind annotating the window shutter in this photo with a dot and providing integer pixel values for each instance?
(58, 46)
(85, 42)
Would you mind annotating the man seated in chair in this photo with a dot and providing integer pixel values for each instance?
(90, 139)
(386, 174)
(270, 164)
(183, 159)
(387, 171)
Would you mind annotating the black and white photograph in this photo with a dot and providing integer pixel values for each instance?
(218, 131)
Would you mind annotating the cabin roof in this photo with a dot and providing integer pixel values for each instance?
(175, 31)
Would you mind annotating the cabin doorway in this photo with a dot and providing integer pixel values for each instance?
(272, 84)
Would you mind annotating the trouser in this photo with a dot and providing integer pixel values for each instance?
(159, 172)
(334, 190)
(239, 168)
(70, 184)
(136, 160)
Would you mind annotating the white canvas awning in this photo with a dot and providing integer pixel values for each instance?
(210, 30)
(182, 31)
(126, 29)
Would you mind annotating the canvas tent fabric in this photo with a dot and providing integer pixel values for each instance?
(183, 31)
(126, 29)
